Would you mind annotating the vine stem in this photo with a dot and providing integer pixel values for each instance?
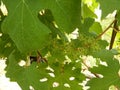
(105, 30)
(114, 32)
(113, 35)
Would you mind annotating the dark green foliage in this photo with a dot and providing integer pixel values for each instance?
(42, 29)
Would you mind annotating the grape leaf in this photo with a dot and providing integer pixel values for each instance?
(108, 6)
(118, 17)
(110, 76)
(63, 74)
(31, 75)
(48, 19)
(87, 12)
(67, 12)
(26, 76)
(94, 26)
(104, 55)
(110, 73)
(24, 27)
(88, 22)
(6, 46)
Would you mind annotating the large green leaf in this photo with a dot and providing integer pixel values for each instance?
(27, 31)
(23, 26)
(67, 13)
(26, 76)
(108, 6)
(31, 75)
(63, 74)
(104, 55)
(110, 73)
(6, 46)
(110, 76)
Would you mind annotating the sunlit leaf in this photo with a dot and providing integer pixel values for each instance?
(109, 72)
(87, 12)
(94, 26)
(110, 76)
(25, 76)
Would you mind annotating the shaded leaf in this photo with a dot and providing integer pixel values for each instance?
(67, 12)
(23, 26)
(108, 6)
(118, 17)
(47, 18)
(6, 46)
(88, 22)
